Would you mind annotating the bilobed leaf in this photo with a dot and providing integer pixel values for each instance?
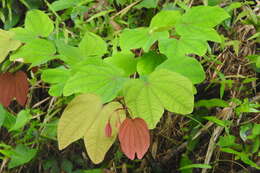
(86, 117)
(148, 62)
(199, 21)
(140, 38)
(174, 48)
(77, 118)
(95, 139)
(124, 60)
(163, 89)
(13, 86)
(134, 137)
(92, 45)
(38, 23)
(188, 67)
(104, 80)
(7, 43)
(164, 20)
(37, 51)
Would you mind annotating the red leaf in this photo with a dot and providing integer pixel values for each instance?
(13, 86)
(7, 88)
(134, 137)
(22, 87)
(108, 130)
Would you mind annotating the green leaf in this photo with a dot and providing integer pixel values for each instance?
(21, 155)
(210, 103)
(7, 43)
(124, 60)
(58, 78)
(85, 116)
(104, 80)
(217, 121)
(64, 4)
(199, 21)
(23, 35)
(183, 46)
(22, 119)
(227, 141)
(204, 16)
(38, 23)
(92, 45)
(164, 20)
(188, 67)
(139, 38)
(163, 89)
(70, 54)
(148, 62)
(2, 115)
(37, 51)
(147, 4)
(196, 166)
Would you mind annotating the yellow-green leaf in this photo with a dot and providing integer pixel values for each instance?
(86, 117)
(77, 118)
(7, 44)
(97, 144)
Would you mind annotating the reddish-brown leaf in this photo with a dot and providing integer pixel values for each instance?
(134, 137)
(21, 87)
(13, 86)
(7, 88)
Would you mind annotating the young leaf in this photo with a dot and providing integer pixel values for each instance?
(163, 89)
(148, 62)
(7, 86)
(139, 38)
(124, 60)
(23, 35)
(13, 86)
(92, 45)
(38, 23)
(104, 80)
(134, 137)
(164, 20)
(64, 4)
(37, 51)
(186, 66)
(85, 116)
(7, 43)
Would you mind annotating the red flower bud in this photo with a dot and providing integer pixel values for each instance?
(108, 130)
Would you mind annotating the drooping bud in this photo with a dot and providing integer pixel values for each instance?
(108, 130)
